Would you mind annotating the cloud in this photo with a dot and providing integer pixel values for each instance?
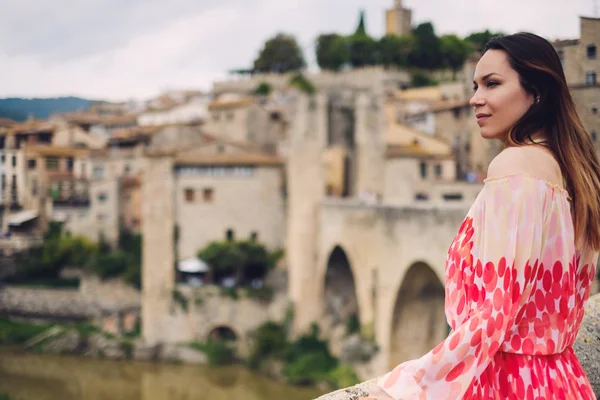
(117, 50)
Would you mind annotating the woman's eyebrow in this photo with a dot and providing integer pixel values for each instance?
(487, 77)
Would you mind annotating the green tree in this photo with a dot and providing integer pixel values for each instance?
(332, 52)
(361, 29)
(363, 48)
(479, 39)
(280, 54)
(420, 79)
(395, 50)
(427, 48)
(363, 51)
(454, 52)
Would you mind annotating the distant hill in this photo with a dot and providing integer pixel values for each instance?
(19, 109)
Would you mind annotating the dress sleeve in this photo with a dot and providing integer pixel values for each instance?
(501, 249)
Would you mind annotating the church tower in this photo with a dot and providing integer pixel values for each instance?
(398, 19)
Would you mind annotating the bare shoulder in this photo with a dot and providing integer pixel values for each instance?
(530, 160)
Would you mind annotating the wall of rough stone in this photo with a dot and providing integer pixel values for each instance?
(94, 298)
(206, 309)
(587, 347)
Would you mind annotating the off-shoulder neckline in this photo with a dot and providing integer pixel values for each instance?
(530, 176)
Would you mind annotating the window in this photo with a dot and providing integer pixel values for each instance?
(189, 195)
(253, 236)
(453, 196)
(456, 112)
(591, 52)
(230, 235)
(590, 78)
(2, 158)
(52, 163)
(208, 195)
(35, 187)
(594, 109)
(98, 171)
(102, 197)
(438, 170)
(127, 169)
(14, 161)
(423, 168)
(70, 163)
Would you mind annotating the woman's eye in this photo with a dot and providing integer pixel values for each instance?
(492, 84)
(474, 88)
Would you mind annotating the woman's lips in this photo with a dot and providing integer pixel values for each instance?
(482, 117)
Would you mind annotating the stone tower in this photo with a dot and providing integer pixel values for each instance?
(398, 19)
(306, 191)
(158, 256)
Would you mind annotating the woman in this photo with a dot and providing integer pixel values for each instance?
(520, 269)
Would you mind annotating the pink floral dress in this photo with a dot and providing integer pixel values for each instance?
(516, 286)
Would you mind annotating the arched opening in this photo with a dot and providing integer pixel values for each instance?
(419, 321)
(341, 306)
(222, 334)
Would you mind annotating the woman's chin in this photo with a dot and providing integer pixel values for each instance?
(487, 134)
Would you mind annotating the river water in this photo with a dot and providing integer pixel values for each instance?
(47, 377)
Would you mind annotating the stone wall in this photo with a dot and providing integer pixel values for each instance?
(93, 299)
(587, 347)
(206, 309)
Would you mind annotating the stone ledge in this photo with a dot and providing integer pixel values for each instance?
(587, 347)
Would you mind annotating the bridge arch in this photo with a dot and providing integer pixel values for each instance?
(418, 319)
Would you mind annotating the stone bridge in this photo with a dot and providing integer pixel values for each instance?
(383, 264)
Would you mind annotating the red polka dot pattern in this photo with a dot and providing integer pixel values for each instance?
(516, 287)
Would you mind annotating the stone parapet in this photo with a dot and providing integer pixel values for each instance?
(587, 347)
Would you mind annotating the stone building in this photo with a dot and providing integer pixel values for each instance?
(581, 64)
(398, 20)
(225, 189)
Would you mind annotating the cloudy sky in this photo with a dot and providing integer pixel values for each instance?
(118, 50)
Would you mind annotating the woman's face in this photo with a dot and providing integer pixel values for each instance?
(499, 100)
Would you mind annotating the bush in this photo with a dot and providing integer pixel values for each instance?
(217, 352)
(421, 79)
(180, 299)
(17, 333)
(246, 260)
(343, 376)
(301, 83)
(308, 359)
(309, 368)
(352, 324)
(264, 294)
(263, 89)
(4, 396)
(269, 341)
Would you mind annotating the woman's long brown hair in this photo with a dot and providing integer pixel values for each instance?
(555, 114)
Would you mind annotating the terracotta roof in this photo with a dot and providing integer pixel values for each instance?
(228, 159)
(414, 150)
(130, 182)
(431, 93)
(565, 42)
(5, 122)
(219, 105)
(135, 132)
(448, 105)
(250, 154)
(55, 151)
(32, 127)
